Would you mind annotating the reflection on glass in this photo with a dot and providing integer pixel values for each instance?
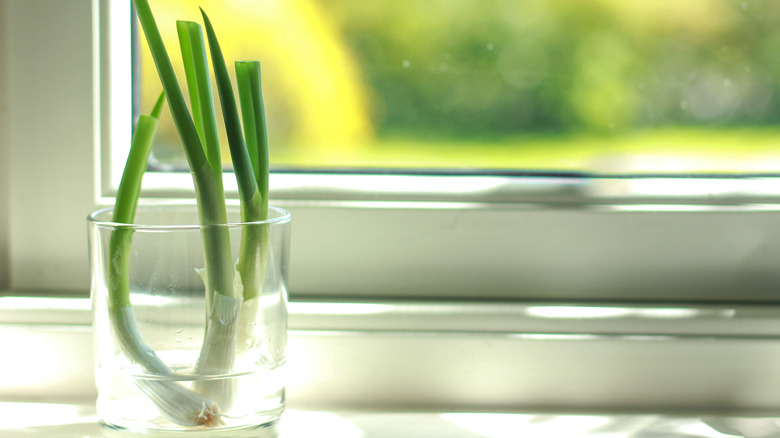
(610, 86)
(306, 308)
(578, 312)
(597, 312)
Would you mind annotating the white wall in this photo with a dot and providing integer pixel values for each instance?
(4, 178)
(50, 141)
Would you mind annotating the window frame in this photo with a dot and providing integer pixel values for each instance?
(340, 218)
(382, 235)
(422, 354)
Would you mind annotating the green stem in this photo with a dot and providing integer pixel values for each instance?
(253, 116)
(181, 115)
(125, 205)
(202, 152)
(121, 239)
(252, 259)
(199, 85)
(218, 347)
(242, 165)
(179, 404)
(254, 241)
(207, 179)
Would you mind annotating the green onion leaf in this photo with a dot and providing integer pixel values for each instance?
(137, 161)
(196, 69)
(179, 111)
(242, 165)
(250, 95)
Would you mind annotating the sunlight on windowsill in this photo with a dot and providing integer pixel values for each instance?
(71, 420)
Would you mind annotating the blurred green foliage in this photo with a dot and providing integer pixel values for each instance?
(488, 68)
(597, 85)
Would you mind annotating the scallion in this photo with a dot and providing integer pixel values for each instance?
(231, 290)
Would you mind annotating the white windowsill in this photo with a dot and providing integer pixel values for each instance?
(435, 356)
(71, 420)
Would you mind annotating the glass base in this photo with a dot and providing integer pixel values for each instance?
(140, 405)
(269, 429)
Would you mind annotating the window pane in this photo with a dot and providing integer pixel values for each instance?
(608, 86)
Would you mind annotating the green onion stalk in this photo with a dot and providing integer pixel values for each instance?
(254, 240)
(232, 290)
(178, 403)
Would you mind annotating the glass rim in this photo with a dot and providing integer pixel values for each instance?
(283, 216)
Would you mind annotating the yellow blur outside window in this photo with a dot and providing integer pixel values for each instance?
(601, 87)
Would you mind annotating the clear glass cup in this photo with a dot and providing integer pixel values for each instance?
(190, 322)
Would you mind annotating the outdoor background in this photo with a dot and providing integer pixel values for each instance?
(604, 86)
